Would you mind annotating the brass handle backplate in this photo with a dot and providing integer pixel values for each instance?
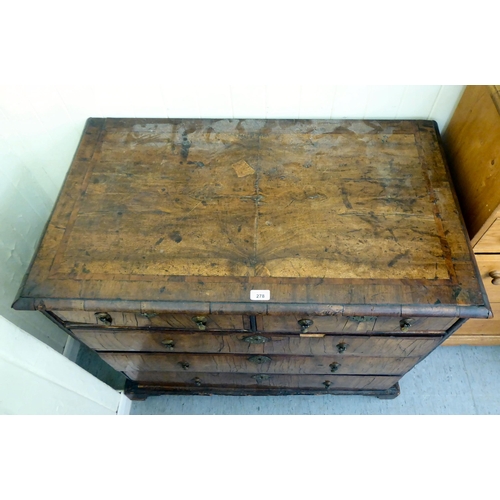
(362, 319)
(327, 384)
(197, 381)
(496, 277)
(201, 322)
(305, 324)
(261, 376)
(104, 318)
(258, 360)
(256, 339)
(184, 364)
(168, 344)
(405, 324)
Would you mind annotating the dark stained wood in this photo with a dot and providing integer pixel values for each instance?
(165, 226)
(164, 341)
(354, 324)
(242, 363)
(155, 319)
(276, 382)
(277, 385)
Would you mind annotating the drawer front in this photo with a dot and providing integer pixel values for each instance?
(209, 322)
(352, 324)
(305, 382)
(250, 343)
(481, 326)
(489, 267)
(255, 364)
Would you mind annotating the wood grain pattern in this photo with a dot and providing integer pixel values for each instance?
(242, 363)
(155, 320)
(472, 142)
(181, 342)
(285, 383)
(324, 212)
(354, 324)
(489, 264)
(165, 226)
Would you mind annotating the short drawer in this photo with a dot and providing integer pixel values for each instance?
(352, 324)
(258, 363)
(255, 343)
(209, 322)
(489, 267)
(202, 381)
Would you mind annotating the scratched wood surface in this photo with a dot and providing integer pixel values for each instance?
(275, 364)
(201, 211)
(161, 341)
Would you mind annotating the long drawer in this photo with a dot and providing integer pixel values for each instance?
(352, 324)
(258, 363)
(255, 343)
(235, 380)
(210, 322)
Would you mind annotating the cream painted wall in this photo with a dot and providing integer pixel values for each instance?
(40, 127)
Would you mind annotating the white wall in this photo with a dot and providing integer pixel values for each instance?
(37, 380)
(40, 127)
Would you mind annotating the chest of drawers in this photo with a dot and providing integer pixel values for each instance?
(257, 256)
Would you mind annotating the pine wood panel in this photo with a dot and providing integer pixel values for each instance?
(472, 142)
(489, 264)
(490, 241)
(161, 341)
(200, 211)
(239, 363)
(480, 327)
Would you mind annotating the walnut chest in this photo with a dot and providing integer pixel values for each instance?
(257, 256)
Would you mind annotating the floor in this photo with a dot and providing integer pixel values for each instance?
(452, 380)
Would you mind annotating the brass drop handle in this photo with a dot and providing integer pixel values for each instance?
(197, 381)
(255, 339)
(104, 318)
(341, 347)
(305, 324)
(201, 322)
(496, 277)
(168, 344)
(184, 364)
(327, 384)
(405, 325)
(334, 366)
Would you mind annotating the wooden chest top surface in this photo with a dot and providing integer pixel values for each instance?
(193, 214)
